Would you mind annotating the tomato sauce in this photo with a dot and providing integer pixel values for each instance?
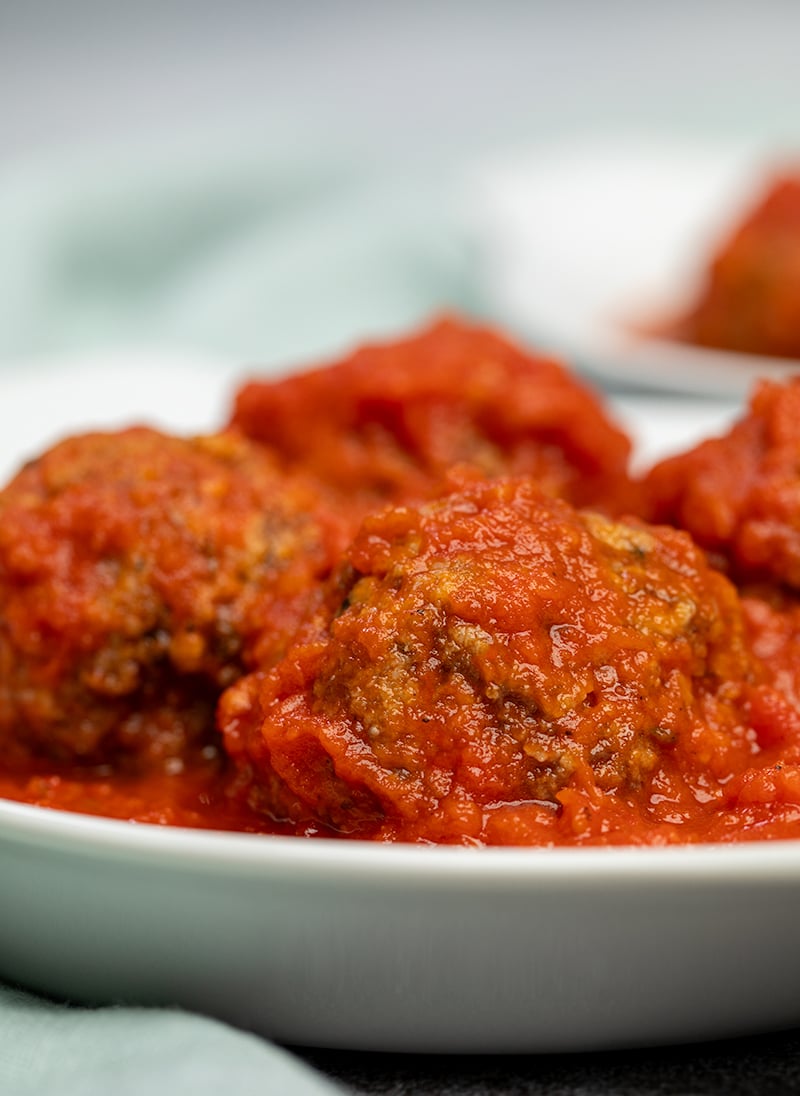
(396, 600)
(387, 423)
(504, 669)
(192, 797)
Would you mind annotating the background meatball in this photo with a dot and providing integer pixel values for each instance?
(387, 423)
(739, 495)
(139, 575)
(499, 651)
(751, 300)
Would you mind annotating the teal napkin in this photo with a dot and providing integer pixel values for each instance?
(52, 1050)
(240, 248)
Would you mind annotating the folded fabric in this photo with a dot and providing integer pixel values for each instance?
(225, 247)
(48, 1049)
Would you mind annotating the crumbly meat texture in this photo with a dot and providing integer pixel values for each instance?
(750, 302)
(387, 424)
(739, 495)
(140, 575)
(503, 669)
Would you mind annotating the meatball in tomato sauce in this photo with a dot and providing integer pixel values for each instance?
(739, 494)
(506, 669)
(140, 575)
(388, 423)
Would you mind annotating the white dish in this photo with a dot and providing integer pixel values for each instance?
(405, 948)
(379, 947)
(581, 243)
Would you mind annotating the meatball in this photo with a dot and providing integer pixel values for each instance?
(739, 495)
(387, 423)
(772, 626)
(139, 576)
(501, 664)
(751, 300)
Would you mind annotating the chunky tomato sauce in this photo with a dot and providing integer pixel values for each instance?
(411, 596)
(193, 797)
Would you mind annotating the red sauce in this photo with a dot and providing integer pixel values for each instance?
(495, 657)
(739, 495)
(505, 669)
(201, 795)
(388, 422)
(193, 797)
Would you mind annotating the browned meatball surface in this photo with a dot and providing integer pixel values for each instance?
(504, 668)
(140, 575)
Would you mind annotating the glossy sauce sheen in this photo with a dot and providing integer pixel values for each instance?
(424, 639)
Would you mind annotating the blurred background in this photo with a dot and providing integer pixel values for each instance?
(268, 182)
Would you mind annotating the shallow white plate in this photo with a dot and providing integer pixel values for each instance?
(581, 242)
(380, 947)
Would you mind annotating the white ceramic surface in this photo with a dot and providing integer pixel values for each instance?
(403, 948)
(579, 243)
(380, 947)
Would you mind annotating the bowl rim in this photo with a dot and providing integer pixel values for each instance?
(434, 867)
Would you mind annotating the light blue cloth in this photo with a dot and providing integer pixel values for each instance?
(50, 1050)
(239, 249)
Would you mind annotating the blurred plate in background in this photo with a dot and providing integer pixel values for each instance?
(583, 245)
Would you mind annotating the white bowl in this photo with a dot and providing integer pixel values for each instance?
(580, 243)
(350, 944)
(378, 947)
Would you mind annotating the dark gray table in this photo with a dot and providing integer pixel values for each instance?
(766, 1065)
